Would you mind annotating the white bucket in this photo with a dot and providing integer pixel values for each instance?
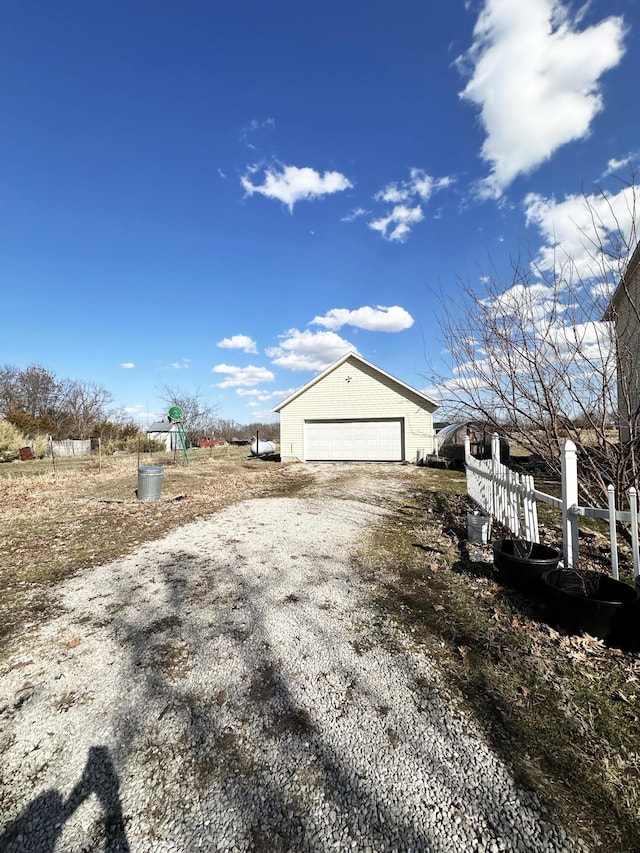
(478, 527)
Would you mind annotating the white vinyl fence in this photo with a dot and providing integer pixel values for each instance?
(511, 499)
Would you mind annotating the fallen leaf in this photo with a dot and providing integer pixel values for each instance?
(73, 643)
(515, 622)
(525, 690)
(221, 698)
(586, 674)
(438, 607)
(464, 651)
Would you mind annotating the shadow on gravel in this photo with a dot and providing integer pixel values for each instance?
(259, 764)
(40, 825)
(222, 767)
(220, 749)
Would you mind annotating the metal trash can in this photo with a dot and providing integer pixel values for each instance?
(150, 482)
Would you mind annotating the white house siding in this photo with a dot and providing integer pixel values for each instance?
(626, 305)
(356, 391)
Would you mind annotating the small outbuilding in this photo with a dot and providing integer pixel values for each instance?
(355, 412)
(166, 432)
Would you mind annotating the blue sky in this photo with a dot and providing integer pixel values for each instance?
(228, 196)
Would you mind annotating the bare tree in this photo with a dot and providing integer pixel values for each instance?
(538, 360)
(39, 390)
(269, 431)
(9, 388)
(36, 401)
(228, 429)
(84, 406)
(199, 416)
(31, 398)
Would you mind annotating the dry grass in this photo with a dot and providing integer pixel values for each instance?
(563, 711)
(54, 524)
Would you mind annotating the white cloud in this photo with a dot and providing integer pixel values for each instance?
(540, 323)
(141, 413)
(397, 226)
(261, 396)
(535, 77)
(356, 213)
(407, 198)
(583, 232)
(293, 184)
(277, 395)
(264, 416)
(456, 385)
(623, 164)
(392, 194)
(127, 365)
(242, 376)
(243, 342)
(420, 185)
(309, 350)
(532, 302)
(181, 365)
(378, 319)
(254, 127)
(589, 340)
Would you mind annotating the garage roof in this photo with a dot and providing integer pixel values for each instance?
(352, 356)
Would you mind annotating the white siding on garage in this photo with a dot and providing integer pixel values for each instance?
(356, 441)
(353, 391)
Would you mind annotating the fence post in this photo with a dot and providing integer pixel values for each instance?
(495, 446)
(633, 507)
(467, 448)
(531, 509)
(569, 500)
(613, 536)
(497, 493)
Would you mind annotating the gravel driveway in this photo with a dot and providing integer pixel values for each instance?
(230, 687)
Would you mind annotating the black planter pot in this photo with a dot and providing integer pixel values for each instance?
(592, 602)
(521, 564)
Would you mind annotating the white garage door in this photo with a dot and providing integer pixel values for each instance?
(356, 441)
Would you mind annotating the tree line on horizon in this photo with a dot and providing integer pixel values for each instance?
(35, 403)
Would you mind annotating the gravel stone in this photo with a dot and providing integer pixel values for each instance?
(220, 689)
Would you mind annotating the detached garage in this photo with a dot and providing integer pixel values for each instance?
(355, 412)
